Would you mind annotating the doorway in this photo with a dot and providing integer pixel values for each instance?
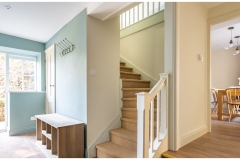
(223, 64)
(50, 80)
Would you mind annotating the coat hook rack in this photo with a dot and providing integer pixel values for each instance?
(66, 46)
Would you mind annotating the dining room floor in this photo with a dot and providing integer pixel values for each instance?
(20, 146)
(222, 142)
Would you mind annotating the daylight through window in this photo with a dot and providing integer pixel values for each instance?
(22, 73)
(139, 12)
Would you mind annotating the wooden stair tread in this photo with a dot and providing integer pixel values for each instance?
(129, 120)
(134, 80)
(134, 109)
(116, 151)
(126, 67)
(136, 89)
(122, 62)
(129, 109)
(130, 73)
(125, 133)
(129, 99)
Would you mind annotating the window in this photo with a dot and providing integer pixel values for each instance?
(131, 16)
(150, 8)
(140, 6)
(139, 12)
(22, 73)
(127, 18)
(136, 14)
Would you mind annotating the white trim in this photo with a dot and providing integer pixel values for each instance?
(52, 47)
(49, 50)
(170, 66)
(24, 57)
(189, 137)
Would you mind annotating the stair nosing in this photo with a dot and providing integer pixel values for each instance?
(130, 73)
(129, 109)
(137, 80)
(126, 67)
(129, 99)
(135, 89)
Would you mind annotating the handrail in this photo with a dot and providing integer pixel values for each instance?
(150, 133)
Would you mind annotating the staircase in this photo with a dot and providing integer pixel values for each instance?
(123, 141)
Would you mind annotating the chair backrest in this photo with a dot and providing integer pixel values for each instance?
(214, 94)
(233, 94)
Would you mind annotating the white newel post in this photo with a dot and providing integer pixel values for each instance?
(142, 121)
(164, 105)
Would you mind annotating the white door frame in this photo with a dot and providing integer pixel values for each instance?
(170, 67)
(50, 50)
(213, 21)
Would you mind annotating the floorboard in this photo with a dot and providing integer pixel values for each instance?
(20, 146)
(222, 142)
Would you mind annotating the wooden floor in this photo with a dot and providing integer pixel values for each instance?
(21, 146)
(222, 142)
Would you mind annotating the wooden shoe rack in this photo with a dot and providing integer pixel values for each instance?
(63, 136)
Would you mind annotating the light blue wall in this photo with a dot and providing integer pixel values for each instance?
(28, 45)
(23, 106)
(71, 84)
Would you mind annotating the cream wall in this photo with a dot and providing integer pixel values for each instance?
(222, 9)
(225, 69)
(145, 50)
(191, 85)
(103, 50)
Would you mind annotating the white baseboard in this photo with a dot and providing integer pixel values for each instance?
(192, 136)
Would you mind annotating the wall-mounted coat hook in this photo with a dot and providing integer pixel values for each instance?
(68, 50)
(64, 51)
(61, 53)
(72, 45)
(66, 47)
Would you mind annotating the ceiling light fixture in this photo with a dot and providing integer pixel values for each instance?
(8, 6)
(230, 45)
(237, 50)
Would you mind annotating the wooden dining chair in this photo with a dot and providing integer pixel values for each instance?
(233, 101)
(214, 95)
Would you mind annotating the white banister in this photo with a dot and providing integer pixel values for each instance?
(150, 133)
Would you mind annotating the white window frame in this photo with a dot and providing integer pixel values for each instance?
(23, 57)
(143, 13)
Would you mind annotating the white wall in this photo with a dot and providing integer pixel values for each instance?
(191, 73)
(145, 50)
(103, 52)
(225, 69)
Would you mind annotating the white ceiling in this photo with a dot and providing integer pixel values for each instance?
(39, 21)
(220, 35)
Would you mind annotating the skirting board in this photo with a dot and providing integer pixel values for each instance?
(192, 136)
(17, 131)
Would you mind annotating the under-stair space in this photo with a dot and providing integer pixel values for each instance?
(123, 141)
